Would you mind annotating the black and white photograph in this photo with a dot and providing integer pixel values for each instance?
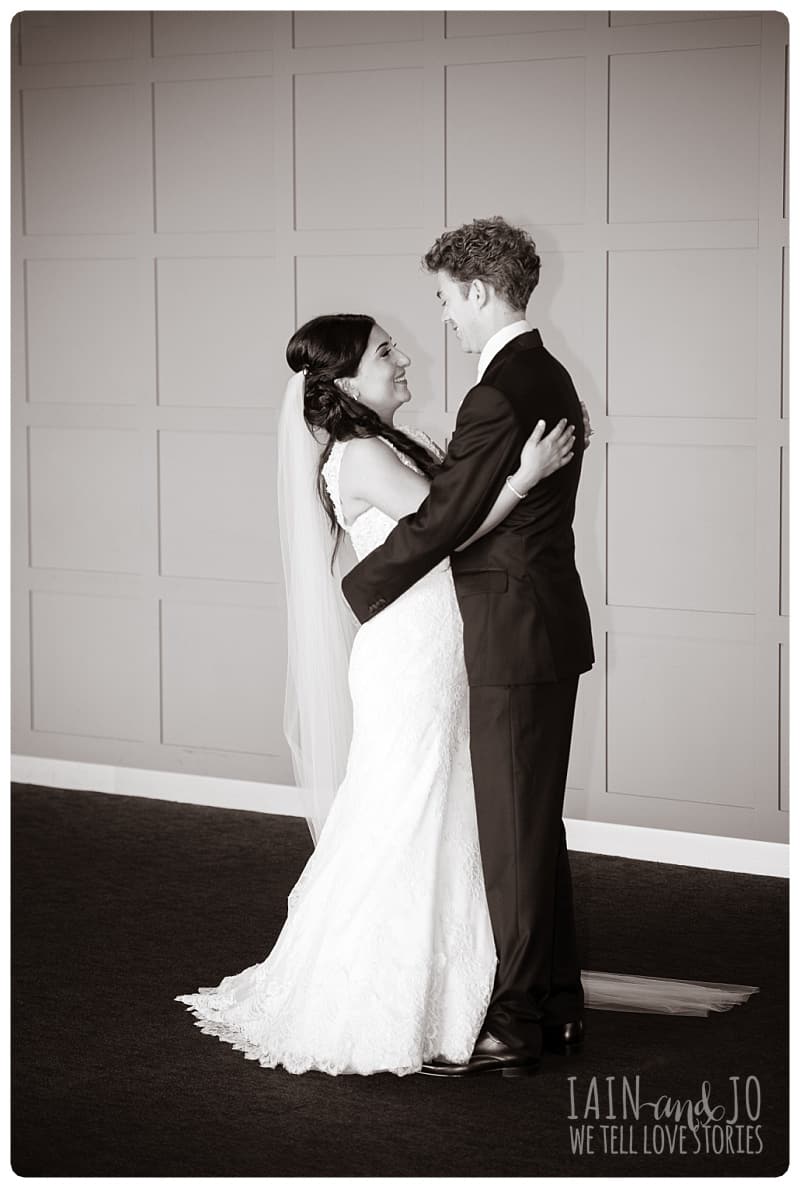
(399, 592)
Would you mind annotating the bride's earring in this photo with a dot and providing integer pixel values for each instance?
(347, 388)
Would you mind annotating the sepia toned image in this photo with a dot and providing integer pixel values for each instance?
(399, 592)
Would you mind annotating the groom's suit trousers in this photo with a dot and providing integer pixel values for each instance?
(520, 750)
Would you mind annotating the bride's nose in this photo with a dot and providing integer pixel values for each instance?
(402, 358)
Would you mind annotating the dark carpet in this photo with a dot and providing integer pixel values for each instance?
(120, 903)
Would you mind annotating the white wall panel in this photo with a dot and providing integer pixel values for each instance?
(86, 499)
(218, 516)
(499, 24)
(653, 17)
(90, 332)
(681, 527)
(680, 719)
(317, 29)
(358, 153)
(90, 672)
(80, 160)
(216, 333)
(534, 171)
(211, 32)
(222, 676)
(682, 338)
(208, 179)
(78, 36)
(683, 135)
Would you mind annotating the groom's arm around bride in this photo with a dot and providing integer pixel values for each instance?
(484, 449)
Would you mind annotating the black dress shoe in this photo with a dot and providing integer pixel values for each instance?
(491, 1055)
(564, 1037)
(442, 1068)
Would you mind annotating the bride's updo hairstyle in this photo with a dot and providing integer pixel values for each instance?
(328, 348)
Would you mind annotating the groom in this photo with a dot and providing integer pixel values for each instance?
(527, 634)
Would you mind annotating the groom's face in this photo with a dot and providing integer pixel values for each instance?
(460, 310)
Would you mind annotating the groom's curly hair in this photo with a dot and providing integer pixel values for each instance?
(490, 250)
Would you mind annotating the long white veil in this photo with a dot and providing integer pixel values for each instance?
(321, 626)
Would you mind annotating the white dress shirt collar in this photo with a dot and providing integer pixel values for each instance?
(498, 340)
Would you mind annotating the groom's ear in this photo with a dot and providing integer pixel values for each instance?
(479, 292)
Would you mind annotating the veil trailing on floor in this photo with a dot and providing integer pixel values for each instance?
(661, 996)
(318, 712)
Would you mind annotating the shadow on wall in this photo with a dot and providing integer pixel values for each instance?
(557, 309)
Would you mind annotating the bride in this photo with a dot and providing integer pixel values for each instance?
(386, 960)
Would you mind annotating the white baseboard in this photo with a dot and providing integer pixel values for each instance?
(595, 837)
(680, 849)
(214, 791)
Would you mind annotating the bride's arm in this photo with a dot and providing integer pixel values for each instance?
(539, 459)
(541, 456)
(372, 475)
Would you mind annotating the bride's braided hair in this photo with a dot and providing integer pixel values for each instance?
(327, 348)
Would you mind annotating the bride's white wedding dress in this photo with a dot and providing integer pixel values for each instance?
(387, 958)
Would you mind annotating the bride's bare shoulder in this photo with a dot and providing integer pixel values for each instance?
(366, 451)
(363, 463)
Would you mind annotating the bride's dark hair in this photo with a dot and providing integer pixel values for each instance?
(328, 348)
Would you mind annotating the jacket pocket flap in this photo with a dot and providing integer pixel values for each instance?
(481, 581)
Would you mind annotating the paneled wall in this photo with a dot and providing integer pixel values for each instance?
(188, 187)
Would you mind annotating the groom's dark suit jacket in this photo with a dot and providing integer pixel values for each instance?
(525, 616)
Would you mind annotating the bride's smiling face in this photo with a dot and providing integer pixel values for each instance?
(380, 381)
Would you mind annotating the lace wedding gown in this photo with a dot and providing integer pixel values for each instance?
(387, 958)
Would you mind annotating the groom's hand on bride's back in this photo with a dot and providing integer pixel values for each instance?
(587, 426)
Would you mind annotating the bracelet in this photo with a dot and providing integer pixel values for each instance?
(513, 489)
